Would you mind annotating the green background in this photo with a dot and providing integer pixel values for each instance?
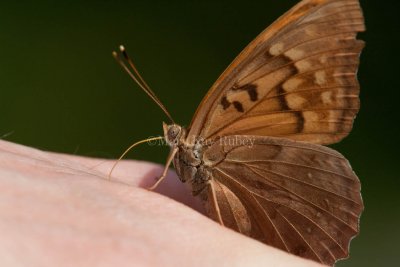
(61, 90)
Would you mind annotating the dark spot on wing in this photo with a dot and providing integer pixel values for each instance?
(238, 106)
(282, 98)
(253, 93)
(251, 90)
(285, 106)
(300, 123)
(225, 103)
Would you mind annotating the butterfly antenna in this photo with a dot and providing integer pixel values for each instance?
(138, 79)
(130, 62)
(129, 149)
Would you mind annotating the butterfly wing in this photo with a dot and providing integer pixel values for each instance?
(299, 197)
(296, 80)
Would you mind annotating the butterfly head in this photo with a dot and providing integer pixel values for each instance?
(172, 133)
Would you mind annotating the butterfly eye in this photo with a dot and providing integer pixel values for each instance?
(173, 133)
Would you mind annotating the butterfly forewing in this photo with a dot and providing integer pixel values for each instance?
(299, 197)
(297, 79)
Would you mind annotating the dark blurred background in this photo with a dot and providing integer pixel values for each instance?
(62, 91)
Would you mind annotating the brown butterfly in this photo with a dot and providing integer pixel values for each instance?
(253, 151)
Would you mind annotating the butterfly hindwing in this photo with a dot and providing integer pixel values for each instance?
(299, 197)
(297, 79)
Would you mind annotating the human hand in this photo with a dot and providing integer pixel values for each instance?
(60, 210)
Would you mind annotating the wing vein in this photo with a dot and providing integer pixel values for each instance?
(298, 110)
(252, 193)
(297, 231)
(311, 90)
(338, 156)
(309, 184)
(291, 164)
(237, 132)
(272, 223)
(344, 251)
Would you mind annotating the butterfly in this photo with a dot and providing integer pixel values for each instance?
(254, 152)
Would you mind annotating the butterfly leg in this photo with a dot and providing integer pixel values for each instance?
(164, 174)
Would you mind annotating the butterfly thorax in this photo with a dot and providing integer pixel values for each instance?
(191, 160)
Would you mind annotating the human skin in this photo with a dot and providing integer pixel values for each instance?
(61, 210)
